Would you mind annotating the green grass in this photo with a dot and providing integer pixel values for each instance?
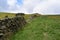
(41, 28)
(3, 14)
(11, 15)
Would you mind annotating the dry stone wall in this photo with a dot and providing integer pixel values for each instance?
(10, 26)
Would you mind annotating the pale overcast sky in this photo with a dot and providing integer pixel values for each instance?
(31, 6)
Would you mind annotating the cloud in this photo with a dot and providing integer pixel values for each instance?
(12, 4)
(41, 6)
(48, 7)
(31, 6)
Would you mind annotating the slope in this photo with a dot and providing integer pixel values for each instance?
(41, 28)
(2, 15)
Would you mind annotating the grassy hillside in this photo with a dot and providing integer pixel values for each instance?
(41, 28)
(2, 15)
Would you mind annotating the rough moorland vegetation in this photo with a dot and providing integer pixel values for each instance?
(40, 28)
